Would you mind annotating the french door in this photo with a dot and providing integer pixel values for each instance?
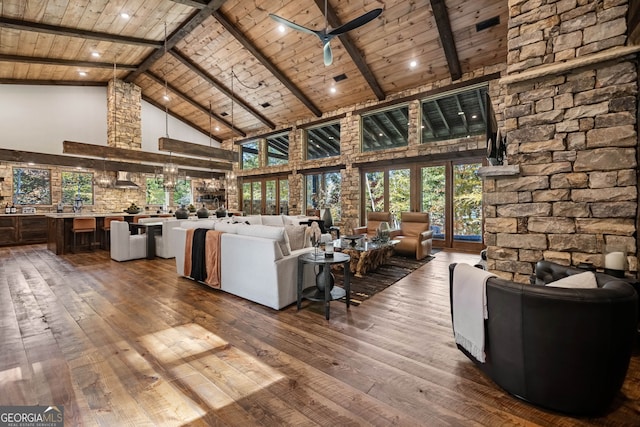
(450, 191)
(267, 196)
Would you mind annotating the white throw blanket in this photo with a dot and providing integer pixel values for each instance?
(470, 308)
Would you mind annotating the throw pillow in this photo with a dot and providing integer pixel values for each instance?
(226, 227)
(296, 235)
(586, 280)
(272, 220)
(267, 232)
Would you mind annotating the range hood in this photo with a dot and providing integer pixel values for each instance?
(123, 180)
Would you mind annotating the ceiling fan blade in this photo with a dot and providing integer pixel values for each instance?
(294, 26)
(358, 22)
(328, 55)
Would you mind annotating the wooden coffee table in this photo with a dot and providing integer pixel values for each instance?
(367, 256)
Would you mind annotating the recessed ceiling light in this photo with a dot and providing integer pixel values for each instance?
(95, 54)
(166, 97)
(413, 64)
(333, 89)
(475, 116)
(281, 28)
(380, 134)
(461, 113)
(82, 73)
(217, 128)
(125, 15)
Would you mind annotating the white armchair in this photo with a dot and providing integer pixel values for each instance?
(124, 245)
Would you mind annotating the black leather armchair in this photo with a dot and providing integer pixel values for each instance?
(566, 350)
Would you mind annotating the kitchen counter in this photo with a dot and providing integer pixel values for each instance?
(59, 225)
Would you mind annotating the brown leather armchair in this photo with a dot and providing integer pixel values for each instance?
(415, 235)
(373, 222)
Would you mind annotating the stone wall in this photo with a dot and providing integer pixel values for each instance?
(573, 134)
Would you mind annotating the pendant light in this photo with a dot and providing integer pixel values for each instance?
(169, 170)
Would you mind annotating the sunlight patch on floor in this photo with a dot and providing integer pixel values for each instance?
(201, 361)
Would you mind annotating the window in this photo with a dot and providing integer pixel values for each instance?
(467, 203)
(323, 191)
(455, 115)
(284, 196)
(182, 193)
(323, 141)
(374, 191)
(76, 184)
(31, 186)
(385, 129)
(388, 191)
(278, 150)
(250, 155)
(155, 191)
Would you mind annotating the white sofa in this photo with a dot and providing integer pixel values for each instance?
(254, 267)
(124, 245)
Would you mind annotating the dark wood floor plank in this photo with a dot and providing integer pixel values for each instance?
(133, 344)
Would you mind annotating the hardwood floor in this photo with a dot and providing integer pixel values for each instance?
(132, 344)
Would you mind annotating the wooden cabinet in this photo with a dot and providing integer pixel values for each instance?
(23, 229)
(32, 229)
(8, 230)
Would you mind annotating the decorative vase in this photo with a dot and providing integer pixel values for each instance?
(325, 215)
(320, 278)
(182, 213)
(203, 212)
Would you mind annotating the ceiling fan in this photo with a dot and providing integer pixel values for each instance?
(325, 35)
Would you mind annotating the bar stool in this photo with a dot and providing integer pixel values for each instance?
(83, 225)
(106, 229)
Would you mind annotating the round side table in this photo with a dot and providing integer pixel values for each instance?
(326, 294)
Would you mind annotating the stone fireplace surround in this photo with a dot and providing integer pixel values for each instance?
(570, 115)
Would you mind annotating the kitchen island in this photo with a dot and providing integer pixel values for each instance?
(59, 225)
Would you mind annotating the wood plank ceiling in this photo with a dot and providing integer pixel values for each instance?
(227, 67)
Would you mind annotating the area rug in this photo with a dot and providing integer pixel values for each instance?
(398, 266)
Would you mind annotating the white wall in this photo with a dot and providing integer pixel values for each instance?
(39, 118)
(154, 127)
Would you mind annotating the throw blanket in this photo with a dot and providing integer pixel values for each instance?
(202, 256)
(212, 258)
(470, 308)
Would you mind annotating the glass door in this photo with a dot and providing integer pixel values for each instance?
(433, 198)
(467, 204)
(265, 196)
(399, 193)
(270, 198)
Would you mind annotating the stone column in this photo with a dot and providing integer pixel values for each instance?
(572, 130)
(124, 121)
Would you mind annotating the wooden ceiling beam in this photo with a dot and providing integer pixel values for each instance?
(19, 156)
(189, 25)
(267, 63)
(441, 17)
(184, 96)
(213, 82)
(198, 4)
(199, 150)
(102, 151)
(64, 62)
(353, 51)
(16, 24)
